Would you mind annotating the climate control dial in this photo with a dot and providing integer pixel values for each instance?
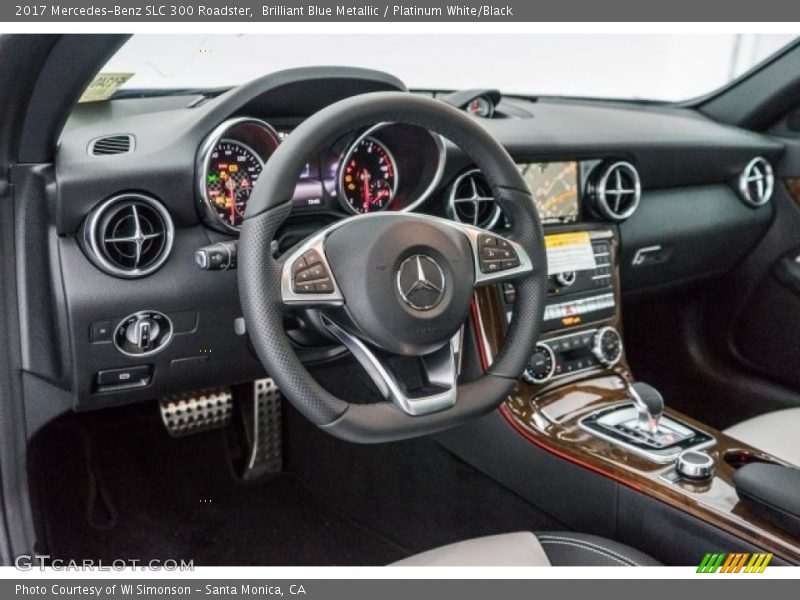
(607, 346)
(542, 365)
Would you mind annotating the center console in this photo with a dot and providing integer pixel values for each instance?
(579, 401)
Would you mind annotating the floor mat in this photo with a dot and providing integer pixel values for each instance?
(149, 496)
(414, 492)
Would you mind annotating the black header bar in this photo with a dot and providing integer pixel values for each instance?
(397, 11)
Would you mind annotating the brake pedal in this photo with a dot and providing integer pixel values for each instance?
(261, 411)
(193, 412)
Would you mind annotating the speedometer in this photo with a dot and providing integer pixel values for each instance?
(367, 177)
(232, 170)
(228, 165)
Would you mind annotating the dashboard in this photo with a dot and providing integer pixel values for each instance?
(179, 170)
(390, 166)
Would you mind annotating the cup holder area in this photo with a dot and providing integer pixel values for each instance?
(738, 458)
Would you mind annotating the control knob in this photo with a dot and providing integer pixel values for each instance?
(542, 365)
(607, 346)
(143, 333)
(693, 464)
(566, 279)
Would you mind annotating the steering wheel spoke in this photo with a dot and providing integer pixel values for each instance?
(438, 373)
(307, 278)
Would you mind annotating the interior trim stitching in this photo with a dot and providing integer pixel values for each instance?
(590, 549)
(588, 546)
(595, 545)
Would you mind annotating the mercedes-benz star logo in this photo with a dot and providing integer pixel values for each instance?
(420, 281)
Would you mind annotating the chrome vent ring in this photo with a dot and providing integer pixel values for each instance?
(471, 201)
(129, 235)
(757, 182)
(618, 191)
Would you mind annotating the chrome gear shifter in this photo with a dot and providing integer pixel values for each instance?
(649, 404)
(639, 425)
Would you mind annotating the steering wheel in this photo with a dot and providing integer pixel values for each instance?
(391, 285)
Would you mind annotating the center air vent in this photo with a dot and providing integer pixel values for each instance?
(471, 201)
(617, 191)
(112, 144)
(757, 182)
(129, 235)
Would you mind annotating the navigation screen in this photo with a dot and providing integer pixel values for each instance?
(554, 187)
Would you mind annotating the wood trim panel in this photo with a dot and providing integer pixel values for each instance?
(550, 420)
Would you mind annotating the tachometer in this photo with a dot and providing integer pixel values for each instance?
(231, 172)
(367, 177)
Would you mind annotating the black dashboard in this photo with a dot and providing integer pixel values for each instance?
(142, 183)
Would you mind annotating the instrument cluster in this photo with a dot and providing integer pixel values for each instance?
(390, 166)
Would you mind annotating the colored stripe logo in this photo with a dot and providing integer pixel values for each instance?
(739, 562)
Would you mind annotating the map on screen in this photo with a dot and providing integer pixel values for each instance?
(554, 187)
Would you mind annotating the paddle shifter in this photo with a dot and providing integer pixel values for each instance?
(649, 404)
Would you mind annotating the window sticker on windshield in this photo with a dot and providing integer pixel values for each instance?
(103, 86)
(569, 252)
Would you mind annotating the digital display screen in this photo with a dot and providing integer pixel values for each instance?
(308, 192)
(554, 187)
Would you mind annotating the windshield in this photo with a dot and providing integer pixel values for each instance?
(632, 67)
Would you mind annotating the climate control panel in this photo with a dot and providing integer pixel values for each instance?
(574, 353)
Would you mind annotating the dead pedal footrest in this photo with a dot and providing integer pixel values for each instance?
(193, 412)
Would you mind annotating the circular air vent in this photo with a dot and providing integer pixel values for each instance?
(617, 191)
(757, 182)
(471, 201)
(129, 235)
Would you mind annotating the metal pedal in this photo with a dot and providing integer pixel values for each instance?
(262, 415)
(193, 412)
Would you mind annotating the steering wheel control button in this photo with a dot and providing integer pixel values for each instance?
(310, 275)
(696, 465)
(421, 282)
(138, 376)
(298, 265)
(487, 241)
(323, 286)
(496, 254)
(143, 333)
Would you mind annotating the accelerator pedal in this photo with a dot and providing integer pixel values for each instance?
(193, 412)
(261, 412)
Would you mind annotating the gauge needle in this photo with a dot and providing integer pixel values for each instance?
(365, 176)
(231, 188)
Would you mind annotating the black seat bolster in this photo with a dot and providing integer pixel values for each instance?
(566, 549)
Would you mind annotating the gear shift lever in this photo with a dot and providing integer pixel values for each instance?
(650, 405)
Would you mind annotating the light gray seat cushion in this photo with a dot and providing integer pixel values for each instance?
(776, 433)
(524, 549)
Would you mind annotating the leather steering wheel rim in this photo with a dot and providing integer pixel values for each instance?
(260, 274)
